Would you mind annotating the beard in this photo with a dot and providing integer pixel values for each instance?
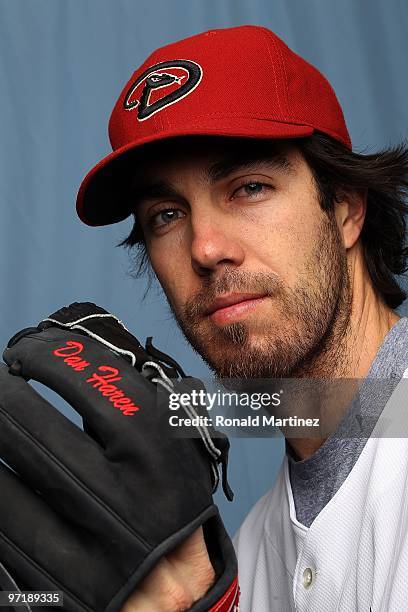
(305, 333)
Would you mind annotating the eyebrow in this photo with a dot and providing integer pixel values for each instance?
(158, 189)
(223, 169)
(213, 174)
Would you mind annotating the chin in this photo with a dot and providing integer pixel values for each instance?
(244, 357)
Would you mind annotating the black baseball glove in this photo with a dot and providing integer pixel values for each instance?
(90, 513)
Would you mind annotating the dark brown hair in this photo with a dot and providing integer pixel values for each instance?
(384, 178)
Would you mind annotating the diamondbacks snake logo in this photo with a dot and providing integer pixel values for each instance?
(162, 85)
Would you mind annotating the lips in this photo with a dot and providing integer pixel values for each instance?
(230, 300)
(230, 306)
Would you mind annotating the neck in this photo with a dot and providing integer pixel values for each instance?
(359, 327)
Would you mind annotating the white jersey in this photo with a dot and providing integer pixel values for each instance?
(354, 556)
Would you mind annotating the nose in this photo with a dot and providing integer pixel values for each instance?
(214, 244)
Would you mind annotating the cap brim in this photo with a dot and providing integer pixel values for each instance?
(103, 195)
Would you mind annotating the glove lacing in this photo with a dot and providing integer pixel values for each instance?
(166, 382)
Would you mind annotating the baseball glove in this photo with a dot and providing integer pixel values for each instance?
(90, 512)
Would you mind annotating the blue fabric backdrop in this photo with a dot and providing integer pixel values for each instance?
(62, 65)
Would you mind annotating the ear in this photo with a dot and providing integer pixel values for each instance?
(350, 210)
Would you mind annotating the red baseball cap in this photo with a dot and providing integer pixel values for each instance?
(236, 82)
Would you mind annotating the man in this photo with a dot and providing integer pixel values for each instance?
(276, 247)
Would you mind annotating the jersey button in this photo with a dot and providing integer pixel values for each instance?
(307, 577)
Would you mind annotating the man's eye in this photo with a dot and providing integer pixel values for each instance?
(253, 189)
(164, 217)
